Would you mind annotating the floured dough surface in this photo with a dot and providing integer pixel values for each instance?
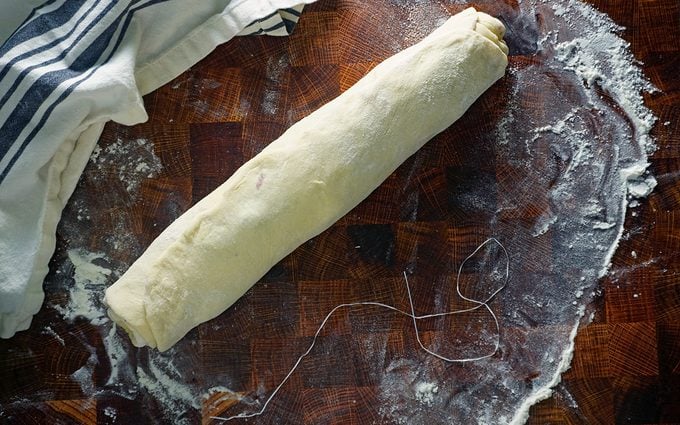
(304, 181)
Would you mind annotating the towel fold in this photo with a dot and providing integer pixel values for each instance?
(64, 72)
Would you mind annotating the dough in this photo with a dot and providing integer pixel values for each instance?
(304, 181)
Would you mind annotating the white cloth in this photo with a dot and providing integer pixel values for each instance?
(70, 67)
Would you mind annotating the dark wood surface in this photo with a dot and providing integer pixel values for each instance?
(626, 367)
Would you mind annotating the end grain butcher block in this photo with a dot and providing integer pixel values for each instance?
(425, 219)
(306, 180)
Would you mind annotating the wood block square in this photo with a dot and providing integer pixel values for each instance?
(270, 299)
(395, 200)
(425, 249)
(374, 247)
(318, 298)
(336, 405)
(359, 42)
(315, 41)
(470, 192)
(668, 340)
(216, 153)
(635, 400)
(310, 88)
(595, 399)
(203, 94)
(324, 257)
(633, 349)
(667, 129)
(630, 297)
(265, 92)
(358, 251)
(271, 358)
(259, 134)
(170, 144)
(666, 236)
(372, 352)
(350, 73)
(593, 362)
(165, 199)
(667, 293)
(514, 184)
(660, 28)
(245, 53)
(31, 371)
(225, 362)
(329, 364)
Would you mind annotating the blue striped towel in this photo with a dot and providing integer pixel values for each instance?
(70, 67)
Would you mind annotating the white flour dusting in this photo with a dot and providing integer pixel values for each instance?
(155, 374)
(408, 395)
(121, 168)
(132, 161)
(425, 392)
(87, 274)
(50, 332)
(89, 281)
(164, 382)
(111, 412)
(118, 358)
(84, 375)
(271, 99)
(599, 146)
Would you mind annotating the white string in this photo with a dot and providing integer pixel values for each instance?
(415, 319)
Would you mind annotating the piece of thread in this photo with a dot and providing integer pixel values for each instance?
(413, 316)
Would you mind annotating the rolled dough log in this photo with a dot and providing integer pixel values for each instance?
(304, 181)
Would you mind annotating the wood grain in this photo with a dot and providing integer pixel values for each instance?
(223, 111)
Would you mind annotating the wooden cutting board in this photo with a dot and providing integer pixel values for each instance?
(208, 121)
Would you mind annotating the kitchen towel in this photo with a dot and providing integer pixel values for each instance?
(70, 67)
